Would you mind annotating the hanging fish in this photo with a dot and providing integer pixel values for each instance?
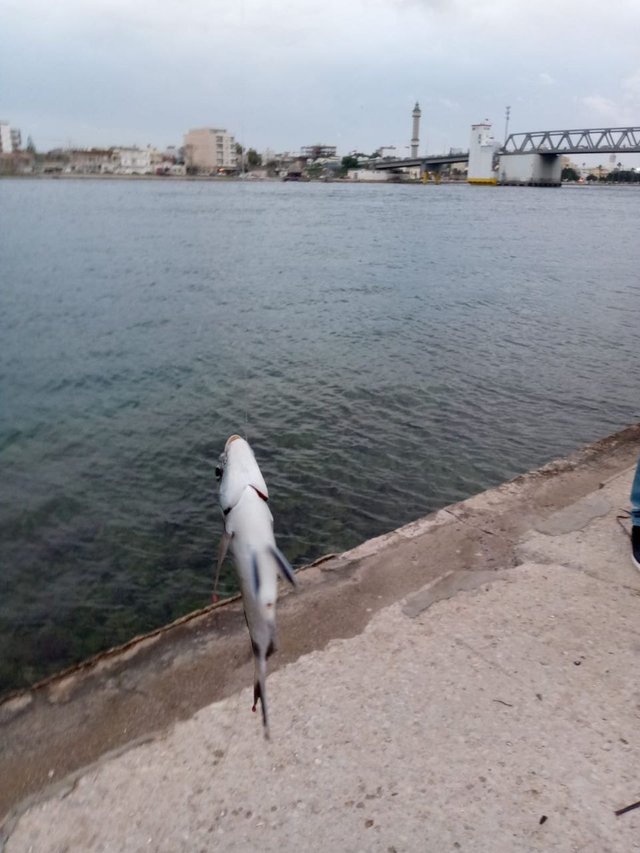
(248, 531)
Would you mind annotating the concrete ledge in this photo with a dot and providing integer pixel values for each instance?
(574, 590)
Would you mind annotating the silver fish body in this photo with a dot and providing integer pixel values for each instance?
(249, 534)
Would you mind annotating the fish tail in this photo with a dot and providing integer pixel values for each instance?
(259, 692)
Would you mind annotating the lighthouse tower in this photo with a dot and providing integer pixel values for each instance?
(415, 133)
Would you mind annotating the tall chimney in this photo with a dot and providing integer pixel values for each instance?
(415, 138)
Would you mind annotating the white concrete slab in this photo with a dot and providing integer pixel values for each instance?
(503, 719)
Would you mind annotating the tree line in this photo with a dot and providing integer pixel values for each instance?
(617, 176)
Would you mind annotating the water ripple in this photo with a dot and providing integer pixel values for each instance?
(387, 350)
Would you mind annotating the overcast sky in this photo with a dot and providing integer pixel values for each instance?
(286, 73)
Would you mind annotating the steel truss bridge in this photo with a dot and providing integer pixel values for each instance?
(604, 140)
(607, 140)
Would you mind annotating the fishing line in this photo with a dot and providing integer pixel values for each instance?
(239, 246)
(243, 199)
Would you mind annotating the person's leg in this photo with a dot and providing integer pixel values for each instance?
(635, 518)
(635, 498)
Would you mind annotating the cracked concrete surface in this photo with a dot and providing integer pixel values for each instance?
(466, 683)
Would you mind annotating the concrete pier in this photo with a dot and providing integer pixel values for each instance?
(467, 682)
(530, 170)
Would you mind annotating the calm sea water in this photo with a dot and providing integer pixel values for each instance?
(386, 349)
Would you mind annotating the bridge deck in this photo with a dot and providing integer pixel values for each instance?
(425, 162)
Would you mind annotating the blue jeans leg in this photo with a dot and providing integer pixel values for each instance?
(635, 498)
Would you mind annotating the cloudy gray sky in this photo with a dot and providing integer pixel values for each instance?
(286, 73)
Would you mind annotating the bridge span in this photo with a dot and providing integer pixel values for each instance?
(427, 163)
(525, 159)
(534, 159)
(603, 140)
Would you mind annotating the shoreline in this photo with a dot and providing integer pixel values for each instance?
(226, 179)
(215, 179)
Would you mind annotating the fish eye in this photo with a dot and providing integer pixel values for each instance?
(220, 466)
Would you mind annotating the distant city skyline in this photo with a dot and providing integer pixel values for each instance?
(285, 74)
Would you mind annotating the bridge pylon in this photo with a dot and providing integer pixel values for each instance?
(481, 149)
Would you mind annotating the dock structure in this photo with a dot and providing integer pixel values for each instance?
(468, 681)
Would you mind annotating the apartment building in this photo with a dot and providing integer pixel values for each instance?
(210, 149)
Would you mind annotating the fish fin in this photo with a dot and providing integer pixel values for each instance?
(222, 553)
(283, 565)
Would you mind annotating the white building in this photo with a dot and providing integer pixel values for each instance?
(210, 149)
(133, 161)
(6, 141)
(90, 161)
